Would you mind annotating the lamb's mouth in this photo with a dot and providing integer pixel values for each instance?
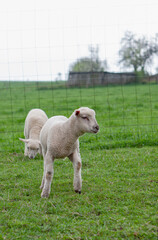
(94, 131)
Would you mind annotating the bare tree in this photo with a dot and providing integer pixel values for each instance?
(137, 52)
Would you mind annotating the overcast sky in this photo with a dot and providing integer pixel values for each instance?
(42, 38)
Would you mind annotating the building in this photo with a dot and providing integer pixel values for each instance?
(89, 79)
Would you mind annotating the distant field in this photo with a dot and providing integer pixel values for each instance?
(119, 171)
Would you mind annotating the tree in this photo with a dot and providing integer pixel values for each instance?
(88, 64)
(136, 52)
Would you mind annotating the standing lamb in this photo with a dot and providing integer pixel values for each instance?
(34, 122)
(59, 139)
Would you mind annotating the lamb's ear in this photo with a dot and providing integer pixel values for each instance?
(24, 140)
(77, 112)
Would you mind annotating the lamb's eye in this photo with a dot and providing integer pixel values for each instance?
(86, 118)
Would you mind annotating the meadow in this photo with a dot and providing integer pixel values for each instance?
(119, 165)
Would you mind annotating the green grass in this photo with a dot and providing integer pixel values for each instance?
(127, 115)
(119, 165)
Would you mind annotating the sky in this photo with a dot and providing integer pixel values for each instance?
(42, 38)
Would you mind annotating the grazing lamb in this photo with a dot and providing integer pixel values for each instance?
(59, 139)
(34, 122)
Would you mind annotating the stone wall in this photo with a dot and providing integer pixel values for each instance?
(153, 78)
(99, 78)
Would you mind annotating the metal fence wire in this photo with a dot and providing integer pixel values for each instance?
(35, 59)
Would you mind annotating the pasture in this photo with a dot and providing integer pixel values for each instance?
(119, 165)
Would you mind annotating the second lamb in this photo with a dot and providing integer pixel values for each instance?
(34, 122)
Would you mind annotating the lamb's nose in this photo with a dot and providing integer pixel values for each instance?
(96, 128)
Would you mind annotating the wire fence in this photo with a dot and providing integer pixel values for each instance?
(127, 114)
(35, 56)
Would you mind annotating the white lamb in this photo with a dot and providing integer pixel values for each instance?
(34, 122)
(59, 139)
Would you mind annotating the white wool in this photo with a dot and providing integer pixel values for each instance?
(59, 139)
(34, 122)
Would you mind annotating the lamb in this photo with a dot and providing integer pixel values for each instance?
(34, 122)
(59, 139)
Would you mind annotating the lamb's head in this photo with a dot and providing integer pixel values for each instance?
(33, 147)
(86, 120)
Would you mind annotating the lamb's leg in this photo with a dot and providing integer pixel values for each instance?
(25, 151)
(43, 178)
(44, 171)
(48, 175)
(76, 159)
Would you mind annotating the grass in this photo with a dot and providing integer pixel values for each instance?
(119, 165)
(126, 114)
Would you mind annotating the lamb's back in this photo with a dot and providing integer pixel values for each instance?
(51, 124)
(35, 120)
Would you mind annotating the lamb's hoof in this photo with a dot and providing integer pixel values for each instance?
(78, 191)
(44, 195)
